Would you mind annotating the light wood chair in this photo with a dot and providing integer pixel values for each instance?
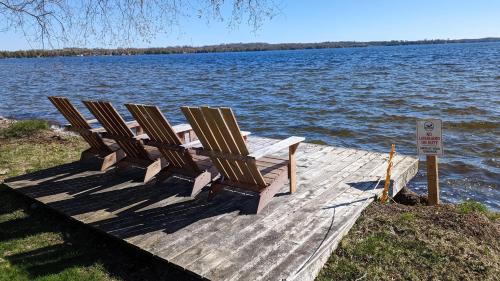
(105, 151)
(259, 172)
(137, 154)
(181, 160)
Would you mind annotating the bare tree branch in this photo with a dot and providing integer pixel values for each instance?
(120, 22)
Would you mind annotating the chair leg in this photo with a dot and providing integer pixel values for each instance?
(200, 181)
(268, 193)
(214, 189)
(122, 165)
(112, 158)
(292, 167)
(154, 168)
(162, 176)
(87, 154)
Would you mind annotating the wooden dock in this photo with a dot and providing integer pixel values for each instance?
(291, 239)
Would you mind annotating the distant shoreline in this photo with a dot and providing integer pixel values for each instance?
(232, 47)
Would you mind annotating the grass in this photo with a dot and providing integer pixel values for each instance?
(24, 128)
(397, 242)
(20, 157)
(470, 207)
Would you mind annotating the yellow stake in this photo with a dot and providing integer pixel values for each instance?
(388, 175)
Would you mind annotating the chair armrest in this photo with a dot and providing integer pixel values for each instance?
(195, 143)
(192, 144)
(98, 130)
(286, 143)
(245, 133)
(181, 128)
(132, 124)
(89, 121)
(142, 137)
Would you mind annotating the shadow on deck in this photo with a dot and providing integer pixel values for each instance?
(124, 207)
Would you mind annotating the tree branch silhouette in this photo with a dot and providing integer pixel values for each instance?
(121, 22)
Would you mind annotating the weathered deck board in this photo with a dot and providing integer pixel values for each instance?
(291, 239)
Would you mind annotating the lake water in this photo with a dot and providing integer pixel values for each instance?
(362, 98)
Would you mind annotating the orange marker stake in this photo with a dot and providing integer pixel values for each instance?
(385, 195)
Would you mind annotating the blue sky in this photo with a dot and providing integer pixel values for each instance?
(335, 20)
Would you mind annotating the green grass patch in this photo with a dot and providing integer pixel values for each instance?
(20, 157)
(408, 217)
(24, 128)
(471, 206)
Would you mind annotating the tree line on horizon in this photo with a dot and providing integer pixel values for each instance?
(233, 47)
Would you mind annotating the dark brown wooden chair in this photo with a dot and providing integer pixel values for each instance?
(181, 160)
(137, 154)
(105, 151)
(259, 172)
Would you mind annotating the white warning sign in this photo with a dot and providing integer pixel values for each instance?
(430, 137)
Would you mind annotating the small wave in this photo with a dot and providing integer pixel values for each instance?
(341, 132)
(472, 125)
(324, 90)
(459, 167)
(214, 86)
(287, 86)
(397, 102)
(377, 73)
(315, 141)
(448, 64)
(398, 118)
(331, 101)
(340, 78)
(497, 78)
(103, 86)
(470, 110)
(492, 162)
(361, 87)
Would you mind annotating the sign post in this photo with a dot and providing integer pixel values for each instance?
(430, 144)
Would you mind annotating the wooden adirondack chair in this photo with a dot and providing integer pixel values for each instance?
(105, 151)
(181, 160)
(137, 154)
(220, 136)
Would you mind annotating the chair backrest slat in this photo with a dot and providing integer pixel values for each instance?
(117, 128)
(228, 143)
(159, 130)
(77, 121)
(219, 136)
(195, 118)
(218, 131)
(74, 117)
(234, 129)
